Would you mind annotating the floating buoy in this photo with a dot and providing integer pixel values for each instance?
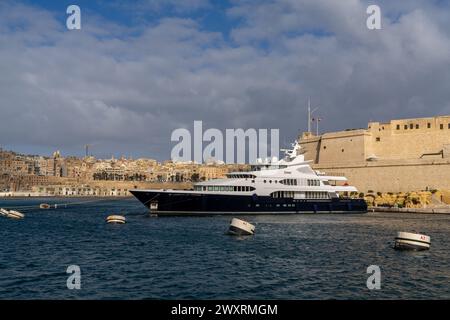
(240, 227)
(45, 206)
(411, 241)
(15, 215)
(3, 212)
(116, 219)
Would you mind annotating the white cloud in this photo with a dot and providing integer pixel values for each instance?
(125, 91)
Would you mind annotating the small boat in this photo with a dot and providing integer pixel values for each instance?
(44, 206)
(116, 219)
(3, 212)
(411, 241)
(15, 214)
(240, 227)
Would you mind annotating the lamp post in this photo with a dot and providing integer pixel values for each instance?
(310, 113)
(317, 124)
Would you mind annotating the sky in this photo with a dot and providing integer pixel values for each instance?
(137, 70)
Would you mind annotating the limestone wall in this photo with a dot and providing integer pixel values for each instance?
(409, 139)
(336, 147)
(424, 138)
(396, 156)
(394, 176)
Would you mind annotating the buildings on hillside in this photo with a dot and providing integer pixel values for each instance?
(66, 175)
(399, 155)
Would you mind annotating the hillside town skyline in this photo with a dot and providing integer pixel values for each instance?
(56, 173)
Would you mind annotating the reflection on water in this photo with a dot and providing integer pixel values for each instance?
(289, 257)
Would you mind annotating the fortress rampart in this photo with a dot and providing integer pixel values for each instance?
(398, 156)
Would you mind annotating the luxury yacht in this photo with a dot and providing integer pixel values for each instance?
(286, 186)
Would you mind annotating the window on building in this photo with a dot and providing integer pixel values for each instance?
(406, 126)
(429, 125)
(411, 126)
(398, 127)
(378, 138)
(417, 126)
(441, 126)
(449, 125)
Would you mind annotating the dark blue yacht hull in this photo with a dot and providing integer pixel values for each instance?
(195, 204)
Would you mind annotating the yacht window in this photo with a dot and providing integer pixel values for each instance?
(216, 188)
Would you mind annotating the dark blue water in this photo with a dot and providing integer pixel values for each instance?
(290, 257)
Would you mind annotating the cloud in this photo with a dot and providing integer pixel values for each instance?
(125, 88)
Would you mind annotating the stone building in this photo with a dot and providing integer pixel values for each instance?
(400, 155)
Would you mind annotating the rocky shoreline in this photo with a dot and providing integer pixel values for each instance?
(411, 210)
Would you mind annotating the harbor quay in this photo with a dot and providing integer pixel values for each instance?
(93, 189)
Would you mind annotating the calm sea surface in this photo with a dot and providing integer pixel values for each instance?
(290, 257)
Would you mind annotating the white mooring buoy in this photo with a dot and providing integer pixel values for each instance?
(411, 241)
(116, 219)
(240, 227)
